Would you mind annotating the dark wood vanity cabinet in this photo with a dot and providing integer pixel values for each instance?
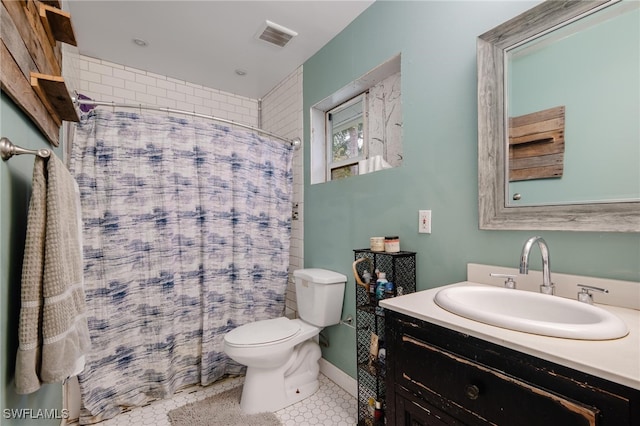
(436, 376)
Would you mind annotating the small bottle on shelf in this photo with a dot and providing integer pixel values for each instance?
(378, 414)
(371, 286)
(381, 285)
(366, 276)
(388, 290)
(372, 406)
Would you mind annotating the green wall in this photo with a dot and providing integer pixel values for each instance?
(602, 132)
(437, 40)
(15, 189)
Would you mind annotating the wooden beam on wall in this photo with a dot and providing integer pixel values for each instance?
(31, 60)
(33, 36)
(15, 43)
(19, 89)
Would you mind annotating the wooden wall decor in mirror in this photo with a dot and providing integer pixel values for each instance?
(497, 208)
(536, 145)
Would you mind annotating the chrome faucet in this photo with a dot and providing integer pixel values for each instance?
(547, 285)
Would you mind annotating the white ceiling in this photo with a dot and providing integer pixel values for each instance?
(204, 42)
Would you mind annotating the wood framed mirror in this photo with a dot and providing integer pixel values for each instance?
(495, 211)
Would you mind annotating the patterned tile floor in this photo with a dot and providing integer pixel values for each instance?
(330, 406)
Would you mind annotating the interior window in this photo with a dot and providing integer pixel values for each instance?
(346, 133)
(358, 129)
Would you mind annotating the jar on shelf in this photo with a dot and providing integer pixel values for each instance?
(376, 243)
(392, 244)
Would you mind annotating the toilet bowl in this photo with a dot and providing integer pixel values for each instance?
(281, 354)
(282, 362)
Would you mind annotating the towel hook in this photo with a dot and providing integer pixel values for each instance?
(8, 150)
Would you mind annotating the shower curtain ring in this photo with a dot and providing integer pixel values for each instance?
(113, 107)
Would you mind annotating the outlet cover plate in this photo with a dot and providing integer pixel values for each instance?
(424, 221)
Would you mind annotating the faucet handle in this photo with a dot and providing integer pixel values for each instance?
(585, 296)
(509, 282)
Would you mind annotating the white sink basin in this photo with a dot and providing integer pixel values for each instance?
(532, 312)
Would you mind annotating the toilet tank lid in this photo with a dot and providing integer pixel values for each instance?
(320, 276)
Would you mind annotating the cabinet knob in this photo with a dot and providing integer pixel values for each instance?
(472, 392)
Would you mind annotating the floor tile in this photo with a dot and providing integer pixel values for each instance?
(330, 405)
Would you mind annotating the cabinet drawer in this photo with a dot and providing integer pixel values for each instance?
(473, 391)
(415, 412)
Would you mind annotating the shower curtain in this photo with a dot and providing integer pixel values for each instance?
(186, 235)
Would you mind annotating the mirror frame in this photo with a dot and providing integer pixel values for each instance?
(493, 211)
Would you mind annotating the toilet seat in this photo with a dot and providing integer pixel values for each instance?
(263, 332)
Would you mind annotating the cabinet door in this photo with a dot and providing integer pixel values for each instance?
(483, 394)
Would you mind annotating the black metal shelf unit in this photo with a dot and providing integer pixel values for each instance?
(400, 269)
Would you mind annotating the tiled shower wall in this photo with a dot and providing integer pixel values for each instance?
(106, 81)
(281, 114)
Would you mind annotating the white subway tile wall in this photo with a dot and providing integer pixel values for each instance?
(106, 81)
(281, 114)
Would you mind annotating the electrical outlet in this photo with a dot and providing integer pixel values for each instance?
(424, 221)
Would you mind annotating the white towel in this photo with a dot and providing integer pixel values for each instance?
(372, 164)
(53, 333)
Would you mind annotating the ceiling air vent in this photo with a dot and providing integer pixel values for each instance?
(275, 34)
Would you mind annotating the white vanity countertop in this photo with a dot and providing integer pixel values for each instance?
(616, 360)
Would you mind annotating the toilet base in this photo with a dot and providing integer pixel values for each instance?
(269, 390)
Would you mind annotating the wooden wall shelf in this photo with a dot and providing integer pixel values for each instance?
(57, 24)
(53, 93)
(30, 62)
(54, 3)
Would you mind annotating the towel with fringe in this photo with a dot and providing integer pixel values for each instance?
(53, 333)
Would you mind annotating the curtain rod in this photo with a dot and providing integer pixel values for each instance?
(295, 142)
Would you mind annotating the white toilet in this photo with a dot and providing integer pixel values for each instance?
(282, 355)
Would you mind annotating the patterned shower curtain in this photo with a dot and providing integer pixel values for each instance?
(186, 235)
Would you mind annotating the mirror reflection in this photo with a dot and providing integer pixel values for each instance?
(572, 108)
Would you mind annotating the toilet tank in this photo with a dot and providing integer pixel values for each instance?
(319, 294)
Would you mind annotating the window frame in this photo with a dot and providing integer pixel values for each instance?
(331, 165)
(317, 170)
